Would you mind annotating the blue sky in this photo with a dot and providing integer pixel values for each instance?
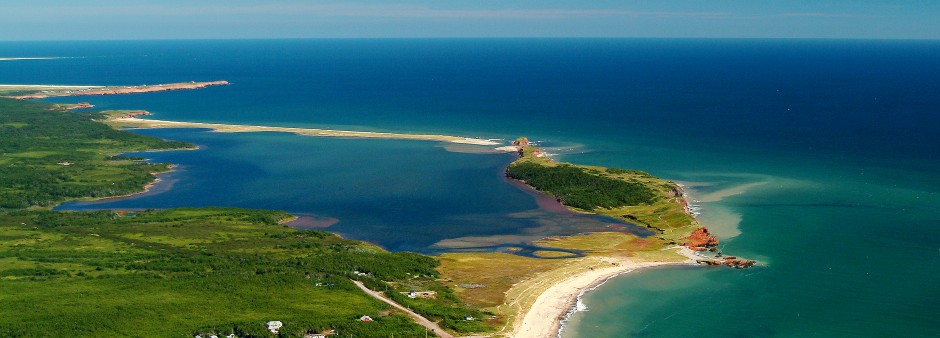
(189, 19)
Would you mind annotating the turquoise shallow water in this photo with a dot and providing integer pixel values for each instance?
(840, 257)
(817, 158)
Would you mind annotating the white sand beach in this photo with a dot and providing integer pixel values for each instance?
(543, 318)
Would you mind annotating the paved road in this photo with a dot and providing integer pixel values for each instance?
(418, 318)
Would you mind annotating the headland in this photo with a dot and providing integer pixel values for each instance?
(536, 295)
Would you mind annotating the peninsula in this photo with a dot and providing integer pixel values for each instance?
(535, 295)
(45, 91)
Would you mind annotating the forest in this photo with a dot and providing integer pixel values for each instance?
(50, 156)
(575, 187)
(178, 272)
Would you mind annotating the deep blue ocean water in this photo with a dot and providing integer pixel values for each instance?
(817, 157)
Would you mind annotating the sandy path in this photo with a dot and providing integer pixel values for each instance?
(418, 318)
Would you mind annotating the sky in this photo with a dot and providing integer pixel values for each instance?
(252, 19)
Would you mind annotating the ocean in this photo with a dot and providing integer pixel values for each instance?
(816, 157)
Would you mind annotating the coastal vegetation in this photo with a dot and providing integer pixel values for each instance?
(576, 187)
(177, 272)
(173, 273)
(632, 196)
(50, 156)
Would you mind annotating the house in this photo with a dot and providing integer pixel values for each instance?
(365, 319)
(274, 326)
(420, 294)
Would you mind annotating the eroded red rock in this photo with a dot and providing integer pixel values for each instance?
(701, 240)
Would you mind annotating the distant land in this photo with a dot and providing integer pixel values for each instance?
(44, 91)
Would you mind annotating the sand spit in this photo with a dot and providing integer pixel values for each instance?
(231, 128)
(29, 58)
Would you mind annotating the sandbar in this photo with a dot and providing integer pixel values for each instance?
(234, 128)
(30, 58)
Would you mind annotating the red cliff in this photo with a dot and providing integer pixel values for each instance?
(701, 240)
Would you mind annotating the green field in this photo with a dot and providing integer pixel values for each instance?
(176, 272)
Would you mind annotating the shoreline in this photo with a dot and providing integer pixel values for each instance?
(148, 188)
(543, 303)
(235, 128)
(46, 86)
(57, 91)
(553, 306)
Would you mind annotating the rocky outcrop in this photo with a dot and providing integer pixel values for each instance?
(739, 263)
(701, 240)
(734, 262)
(521, 142)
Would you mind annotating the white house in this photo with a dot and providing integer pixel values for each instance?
(275, 326)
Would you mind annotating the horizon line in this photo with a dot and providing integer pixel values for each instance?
(481, 38)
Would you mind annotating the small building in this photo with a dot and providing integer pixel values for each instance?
(365, 319)
(274, 326)
(420, 294)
